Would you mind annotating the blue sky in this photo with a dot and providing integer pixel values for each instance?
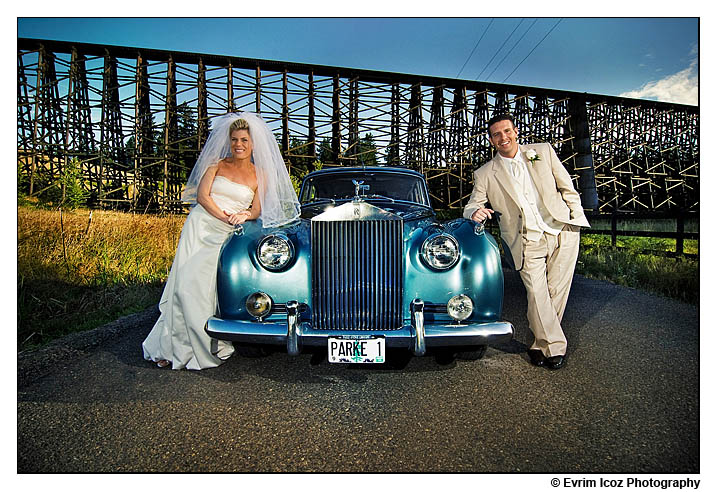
(650, 58)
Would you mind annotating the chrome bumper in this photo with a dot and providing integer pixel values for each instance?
(416, 337)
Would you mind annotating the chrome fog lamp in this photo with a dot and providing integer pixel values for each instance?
(275, 252)
(460, 307)
(259, 305)
(440, 251)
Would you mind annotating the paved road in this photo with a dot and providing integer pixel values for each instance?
(627, 401)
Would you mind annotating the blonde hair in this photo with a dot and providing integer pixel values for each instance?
(239, 124)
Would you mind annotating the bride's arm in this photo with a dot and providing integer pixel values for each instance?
(203, 198)
(256, 206)
(245, 215)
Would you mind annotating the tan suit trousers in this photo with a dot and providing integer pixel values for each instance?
(547, 274)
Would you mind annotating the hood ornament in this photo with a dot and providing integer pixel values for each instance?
(359, 186)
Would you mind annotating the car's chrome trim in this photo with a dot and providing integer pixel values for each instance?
(432, 237)
(357, 280)
(302, 333)
(293, 327)
(283, 237)
(417, 314)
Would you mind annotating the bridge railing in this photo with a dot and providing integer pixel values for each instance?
(133, 120)
(676, 226)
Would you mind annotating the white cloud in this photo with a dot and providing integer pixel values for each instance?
(681, 87)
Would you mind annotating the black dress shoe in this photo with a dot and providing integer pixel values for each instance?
(556, 362)
(537, 357)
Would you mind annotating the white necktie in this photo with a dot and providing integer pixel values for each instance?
(516, 168)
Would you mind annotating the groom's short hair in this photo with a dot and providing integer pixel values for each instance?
(499, 117)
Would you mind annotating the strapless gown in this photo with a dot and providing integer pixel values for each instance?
(190, 296)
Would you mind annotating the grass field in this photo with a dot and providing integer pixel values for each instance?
(76, 271)
(80, 269)
(627, 265)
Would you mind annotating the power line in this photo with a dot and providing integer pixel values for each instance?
(537, 45)
(477, 45)
(502, 47)
(488, 77)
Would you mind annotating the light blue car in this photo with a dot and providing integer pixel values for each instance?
(367, 267)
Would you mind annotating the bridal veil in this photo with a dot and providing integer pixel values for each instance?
(276, 193)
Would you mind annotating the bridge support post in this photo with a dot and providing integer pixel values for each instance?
(584, 157)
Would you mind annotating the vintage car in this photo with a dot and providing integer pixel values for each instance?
(367, 267)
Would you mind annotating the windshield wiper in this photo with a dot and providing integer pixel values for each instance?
(418, 213)
(380, 196)
(320, 200)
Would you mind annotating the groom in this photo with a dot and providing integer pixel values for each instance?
(540, 215)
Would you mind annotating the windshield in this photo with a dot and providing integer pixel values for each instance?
(380, 185)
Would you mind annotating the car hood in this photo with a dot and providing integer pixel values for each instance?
(364, 210)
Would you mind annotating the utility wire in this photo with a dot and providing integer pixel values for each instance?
(537, 45)
(488, 77)
(502, 47)
(477, 45)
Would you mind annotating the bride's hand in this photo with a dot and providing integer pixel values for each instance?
(238, 218)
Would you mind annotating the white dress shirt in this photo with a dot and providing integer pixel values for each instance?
(536, 217)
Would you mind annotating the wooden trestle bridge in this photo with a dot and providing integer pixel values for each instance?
(132, 121)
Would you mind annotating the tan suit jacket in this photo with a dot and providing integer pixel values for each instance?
(492, 184)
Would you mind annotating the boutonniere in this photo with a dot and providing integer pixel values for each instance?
(532, 155)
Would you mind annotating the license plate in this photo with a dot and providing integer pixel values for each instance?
(357, 350)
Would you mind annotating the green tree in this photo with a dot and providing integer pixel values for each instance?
(366, 151)
(73, 186)
(392, 154)
(300, 157)
(67, 191)
(325, 150)
(298, 176)
(187, 140)
(22, 181)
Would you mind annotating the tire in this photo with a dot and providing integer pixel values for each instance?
(250, 351)
(472, 352)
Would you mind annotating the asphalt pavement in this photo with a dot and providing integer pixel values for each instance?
(626, 402)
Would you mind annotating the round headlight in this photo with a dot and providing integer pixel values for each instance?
(259, 304)
(275, 252)
(440, 251)
(460, 307)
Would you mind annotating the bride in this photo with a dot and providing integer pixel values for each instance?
(240, 175)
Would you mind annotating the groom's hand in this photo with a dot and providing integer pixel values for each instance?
(481, 214)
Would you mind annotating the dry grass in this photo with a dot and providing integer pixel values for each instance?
(77, 270)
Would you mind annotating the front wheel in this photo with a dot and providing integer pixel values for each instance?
(471, 352)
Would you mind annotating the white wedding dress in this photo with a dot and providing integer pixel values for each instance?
(190, 295)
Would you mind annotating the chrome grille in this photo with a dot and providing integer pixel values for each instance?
(357, 274)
